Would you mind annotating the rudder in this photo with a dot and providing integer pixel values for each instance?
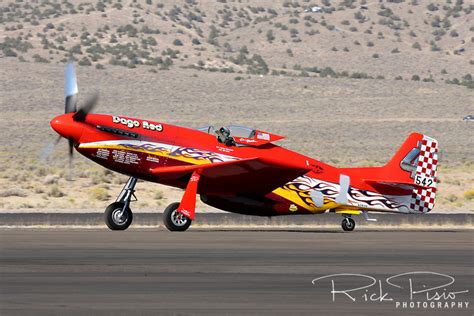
(423, 196)
(416, 163)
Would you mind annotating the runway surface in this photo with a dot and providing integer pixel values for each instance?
(232, 272)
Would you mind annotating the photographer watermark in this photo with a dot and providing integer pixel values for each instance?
(410, 290)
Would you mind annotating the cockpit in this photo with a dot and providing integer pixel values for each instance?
(226, 134)
(235, 130)
(236, 135)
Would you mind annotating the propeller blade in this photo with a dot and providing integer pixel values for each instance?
(70, 88)
(71, 147)
(90, 104)
(71, 156)
(48, 148)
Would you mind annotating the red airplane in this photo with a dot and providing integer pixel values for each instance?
(239, 169)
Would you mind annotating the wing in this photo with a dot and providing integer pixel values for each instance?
(246, 176)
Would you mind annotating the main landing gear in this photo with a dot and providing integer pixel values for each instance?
(118, 215)
(348, 224)
(177, 217)
(174, 220)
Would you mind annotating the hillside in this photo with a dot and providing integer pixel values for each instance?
(389, 39)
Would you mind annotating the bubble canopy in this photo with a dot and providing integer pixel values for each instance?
(235, 130)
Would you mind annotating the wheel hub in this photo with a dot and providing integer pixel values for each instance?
(119, 217)
(178, 219)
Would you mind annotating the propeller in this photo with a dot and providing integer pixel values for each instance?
(70, 106)
(48, 148)
(70, 88)
(70, 96)
(89, 105)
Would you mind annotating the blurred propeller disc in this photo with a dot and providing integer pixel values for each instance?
(70, 88)
(48, 148)
(88, 106)
(79, 115)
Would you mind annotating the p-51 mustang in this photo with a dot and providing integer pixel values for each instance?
(239, 169)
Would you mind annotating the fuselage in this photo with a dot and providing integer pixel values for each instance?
(136, 147)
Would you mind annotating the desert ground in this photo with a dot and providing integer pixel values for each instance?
(331, 93)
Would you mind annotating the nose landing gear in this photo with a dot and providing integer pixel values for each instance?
(118, 215)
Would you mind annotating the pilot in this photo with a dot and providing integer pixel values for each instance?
(223, 136)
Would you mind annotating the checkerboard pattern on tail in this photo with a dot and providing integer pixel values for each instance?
(423, 198)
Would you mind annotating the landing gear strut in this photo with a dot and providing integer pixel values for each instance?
(348, 224)
(118, 215)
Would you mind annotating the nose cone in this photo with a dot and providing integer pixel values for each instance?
(65, 126)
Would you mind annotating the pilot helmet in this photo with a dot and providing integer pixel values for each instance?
(224, 131)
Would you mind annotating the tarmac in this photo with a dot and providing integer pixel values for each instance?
(95, 219)
(234, 272)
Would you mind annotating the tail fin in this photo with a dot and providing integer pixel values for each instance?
(415, 163)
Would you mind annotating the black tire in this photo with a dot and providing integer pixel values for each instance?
(111, 219)
(348, 224)
(175, 221)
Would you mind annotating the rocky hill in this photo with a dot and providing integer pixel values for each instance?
(420, 40)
